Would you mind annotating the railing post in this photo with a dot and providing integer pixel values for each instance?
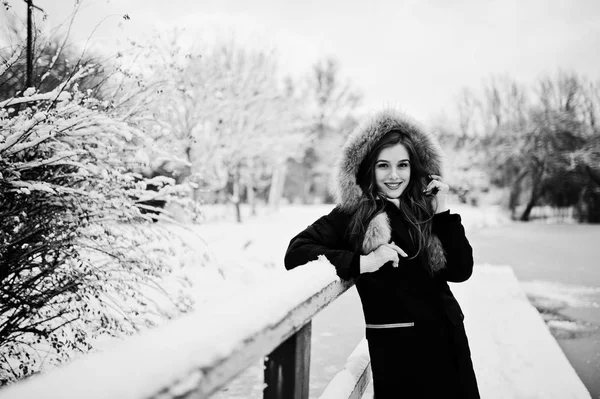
(287, 368)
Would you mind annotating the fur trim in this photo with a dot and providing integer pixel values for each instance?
(346, 190)
(378, 232)
(438, 255)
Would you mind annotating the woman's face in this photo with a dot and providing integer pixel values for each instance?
(392, 171)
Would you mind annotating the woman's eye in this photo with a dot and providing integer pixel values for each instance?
(382, 166)
(403, 165)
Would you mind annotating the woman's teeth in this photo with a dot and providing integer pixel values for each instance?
(392, 186)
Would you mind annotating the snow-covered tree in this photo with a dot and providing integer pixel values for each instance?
(330, 104)
(258, 122)
(78, 259)
(224, 111)
(54, 58)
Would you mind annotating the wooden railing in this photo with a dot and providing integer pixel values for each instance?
(197, 355)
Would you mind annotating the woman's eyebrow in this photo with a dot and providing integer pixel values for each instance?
(385, 160)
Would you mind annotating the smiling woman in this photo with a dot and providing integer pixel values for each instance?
(392, 232)
(392, 171)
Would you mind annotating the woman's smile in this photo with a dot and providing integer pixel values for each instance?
(393, 186)
(392, 171)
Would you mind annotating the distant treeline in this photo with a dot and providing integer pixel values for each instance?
(538, 143)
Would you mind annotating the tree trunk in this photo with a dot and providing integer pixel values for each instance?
(593, 174)
(188, 171)
(306, 188)
(235, 198)
(526, 213)
(28, 78)
(277, 185)
(251, 197)
(593, 215)
(515, 192)
(533, 199)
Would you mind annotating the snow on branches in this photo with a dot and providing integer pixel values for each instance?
(79, 259)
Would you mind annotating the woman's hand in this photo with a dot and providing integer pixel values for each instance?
(440, 191)
(379, 257)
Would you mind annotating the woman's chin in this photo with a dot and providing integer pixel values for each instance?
(393, 194)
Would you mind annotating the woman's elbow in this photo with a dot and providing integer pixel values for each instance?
(462, 277)
(461, 274)
(293, 259)
(289, 262)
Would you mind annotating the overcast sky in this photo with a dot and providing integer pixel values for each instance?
(413, 54)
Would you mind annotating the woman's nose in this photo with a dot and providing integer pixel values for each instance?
(394, 172)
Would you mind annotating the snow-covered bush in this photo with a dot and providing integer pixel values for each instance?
(78, 260)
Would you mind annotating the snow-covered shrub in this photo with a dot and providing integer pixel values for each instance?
(78, 260)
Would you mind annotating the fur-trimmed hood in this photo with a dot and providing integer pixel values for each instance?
(348, 193)
(345, 188)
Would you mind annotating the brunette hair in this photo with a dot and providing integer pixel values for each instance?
(416, 208)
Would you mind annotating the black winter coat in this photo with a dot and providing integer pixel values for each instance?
(414, 325)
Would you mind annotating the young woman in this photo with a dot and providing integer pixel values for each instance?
(392, 231)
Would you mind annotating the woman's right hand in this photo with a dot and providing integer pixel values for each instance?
(379, 257)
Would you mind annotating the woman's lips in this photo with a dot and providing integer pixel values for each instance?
(393, 186)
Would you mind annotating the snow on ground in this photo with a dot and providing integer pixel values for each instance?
(514, 354)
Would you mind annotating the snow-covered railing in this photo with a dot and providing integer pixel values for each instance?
(200, 353)
(352, 381)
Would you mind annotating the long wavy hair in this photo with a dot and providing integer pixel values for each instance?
(416, 207)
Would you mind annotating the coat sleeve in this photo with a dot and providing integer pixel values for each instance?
(326, 236)
(459, 254)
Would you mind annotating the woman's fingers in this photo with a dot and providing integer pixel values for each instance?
(442, 187)
(397, 249)
(431, 189)
(436, 185)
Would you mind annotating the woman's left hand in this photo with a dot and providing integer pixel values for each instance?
(440, 191)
